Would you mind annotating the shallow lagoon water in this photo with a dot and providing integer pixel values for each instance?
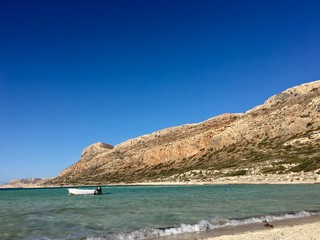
(145, 212)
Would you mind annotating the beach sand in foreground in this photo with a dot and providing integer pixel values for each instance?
(297, 229)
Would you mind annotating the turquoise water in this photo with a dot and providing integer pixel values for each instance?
(135, 212)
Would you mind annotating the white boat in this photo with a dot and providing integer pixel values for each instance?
(78, 191)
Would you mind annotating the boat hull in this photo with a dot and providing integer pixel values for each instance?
(75, 191)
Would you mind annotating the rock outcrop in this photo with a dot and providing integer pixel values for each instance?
(282, 136)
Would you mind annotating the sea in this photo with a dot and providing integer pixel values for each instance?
(149, 212)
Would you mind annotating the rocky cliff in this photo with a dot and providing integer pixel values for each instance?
(280, 137)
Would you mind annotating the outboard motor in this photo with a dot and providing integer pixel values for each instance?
(98, 190)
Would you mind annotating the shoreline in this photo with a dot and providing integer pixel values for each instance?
(161, 183)
(286, 229)
(293, 178)
(300, 228)
(195, 183)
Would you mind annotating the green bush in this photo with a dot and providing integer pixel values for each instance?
(236, 173)
(276, 169)
(307, 165)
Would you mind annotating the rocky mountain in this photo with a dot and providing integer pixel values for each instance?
(280, 137)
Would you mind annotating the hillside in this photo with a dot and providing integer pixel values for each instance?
(279, 138)
(24, 183)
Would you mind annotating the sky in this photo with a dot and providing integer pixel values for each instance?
(75, 72)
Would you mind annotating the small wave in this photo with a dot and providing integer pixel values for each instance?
(269, 218)
(201, 226)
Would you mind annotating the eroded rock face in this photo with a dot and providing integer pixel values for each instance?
(290, 118)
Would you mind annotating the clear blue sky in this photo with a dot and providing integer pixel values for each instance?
(75, 72)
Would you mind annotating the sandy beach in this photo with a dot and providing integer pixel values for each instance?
(298, 229)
